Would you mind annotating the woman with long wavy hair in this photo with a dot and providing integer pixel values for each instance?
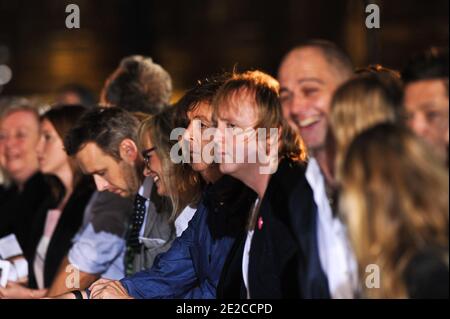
(395, 202)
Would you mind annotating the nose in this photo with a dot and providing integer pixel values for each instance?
(219, 134)
(187, 135)
(298, 105)
(147, 171)
(419, 125)
(40, 146)
(101, 183)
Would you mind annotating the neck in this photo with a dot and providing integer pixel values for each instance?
(322, 159)
(255, 180)
(23, 177)
(65, 174)
(211, 174)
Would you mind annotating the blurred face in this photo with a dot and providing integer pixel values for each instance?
(234, 119)
(307, 84)
(427, 104)
(153, 166)
(19, 135)
(200, 119)
(50, 149)
(119, 177)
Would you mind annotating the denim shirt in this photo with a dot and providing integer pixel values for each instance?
(191, 268)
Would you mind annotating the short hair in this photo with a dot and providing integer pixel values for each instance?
(264, 89)
(334, 55)
(427, 65)
(12, 104)
(106, 127)
(138, 85)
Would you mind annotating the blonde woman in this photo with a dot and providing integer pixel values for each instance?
(178, 182)
(395, 202)
(362, 102)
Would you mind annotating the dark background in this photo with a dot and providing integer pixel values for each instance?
(195, 38)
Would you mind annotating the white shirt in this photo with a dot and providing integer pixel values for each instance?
(246, 256)
(336, 256)
(182, 221)
(51, 222)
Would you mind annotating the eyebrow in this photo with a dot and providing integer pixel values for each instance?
(428, 106)
(201, 117)
(91, 173)
(303, 80)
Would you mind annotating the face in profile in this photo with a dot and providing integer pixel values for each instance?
(19, 135)
(235, 137)
(427, 107)
(200, 120)
(116, 176)
(50, 149)
(307, 84)
(153, 166)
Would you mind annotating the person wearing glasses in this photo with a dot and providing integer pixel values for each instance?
(192, 267)
(104, 143)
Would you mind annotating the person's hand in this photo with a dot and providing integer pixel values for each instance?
(108, 289)
(17, 291)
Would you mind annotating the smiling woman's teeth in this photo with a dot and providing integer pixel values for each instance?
(310, 120)
(155, 179)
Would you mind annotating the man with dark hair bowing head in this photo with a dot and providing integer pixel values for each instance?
(191, 268)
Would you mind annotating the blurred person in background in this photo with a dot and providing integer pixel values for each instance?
(367, 99)
(138, 85)
(19, 136)
(60, 216)
(394, 199)
(75, 94)
(309, 74)
(426, 97)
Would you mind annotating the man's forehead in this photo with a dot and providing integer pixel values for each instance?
(92, 158)
(426, 92)
(236, 104)
(305, 64)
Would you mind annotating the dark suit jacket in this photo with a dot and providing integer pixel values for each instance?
(61, 241)
(284, 259)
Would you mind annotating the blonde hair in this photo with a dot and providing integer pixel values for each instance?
(183, 184)
(395, 203)
(361, 103)
(264, 90)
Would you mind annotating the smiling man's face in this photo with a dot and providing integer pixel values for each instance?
(307, 84)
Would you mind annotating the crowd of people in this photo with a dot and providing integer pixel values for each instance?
(325, 182)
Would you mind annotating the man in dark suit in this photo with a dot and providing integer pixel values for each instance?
(278, 256)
